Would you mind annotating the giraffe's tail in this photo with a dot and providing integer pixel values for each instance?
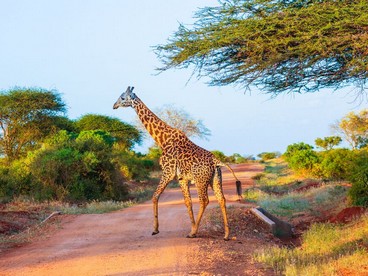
(237, 182)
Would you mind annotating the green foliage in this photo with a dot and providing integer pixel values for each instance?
(133, 166)
(15, 180)
(359, 178)
(328, 143)
(76, 167)
(301, 157)
(268, 155)
(154, 154)
(219, 155)
(354, 128)
(293, 46)
(27, 115)
(335, 164)
(236, 158)
(125, 135)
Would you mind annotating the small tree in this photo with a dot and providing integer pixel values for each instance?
(354, 128)
(301, 157)
(27, 115)
(268, 155)
(328, 143)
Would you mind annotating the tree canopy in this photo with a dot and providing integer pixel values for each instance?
(328, 143)
(279, 46)
(125, 135)
(354, 128)
(26, 116)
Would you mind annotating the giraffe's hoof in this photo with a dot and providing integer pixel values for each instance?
(191, 236)
(226, 239)
(155, 232)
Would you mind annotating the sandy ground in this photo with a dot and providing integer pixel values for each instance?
(120, 243)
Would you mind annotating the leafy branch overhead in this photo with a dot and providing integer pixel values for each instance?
(279, 46)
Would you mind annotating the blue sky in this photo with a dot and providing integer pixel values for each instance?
(90, 51)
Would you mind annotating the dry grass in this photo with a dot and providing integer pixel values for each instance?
(326, 250)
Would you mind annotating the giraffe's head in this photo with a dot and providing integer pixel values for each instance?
(126, 99)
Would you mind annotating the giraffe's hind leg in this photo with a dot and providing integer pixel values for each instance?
(203, 202)
(217, 189)
(167, 176)
(184, 184)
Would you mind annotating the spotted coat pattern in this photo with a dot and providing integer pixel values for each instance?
(181, 159)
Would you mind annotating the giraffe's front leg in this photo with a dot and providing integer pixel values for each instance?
(165, 179)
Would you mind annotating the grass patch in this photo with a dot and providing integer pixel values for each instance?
(254, 195)
(277, 194)
(276, 174)
(286, 205)
(326, 250)
(310, 201)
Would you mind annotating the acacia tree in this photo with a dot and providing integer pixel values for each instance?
(328, 143)
(26, 116)
(354, 128)
(277, 45)
(125, 135)
(180, 119)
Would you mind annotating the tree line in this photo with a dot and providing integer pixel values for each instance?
(337, 164)
(47, 156)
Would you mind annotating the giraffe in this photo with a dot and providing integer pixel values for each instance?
(183, 159)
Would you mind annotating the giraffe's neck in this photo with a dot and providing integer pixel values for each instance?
(154, 125)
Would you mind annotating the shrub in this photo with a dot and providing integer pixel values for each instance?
(77, 168)
(359, 179)
(15, 180)
(268, 155)
(219, 155)
(301, 158)
(135, 167)
(336, 164)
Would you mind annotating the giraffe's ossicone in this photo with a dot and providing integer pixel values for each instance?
(183, 159)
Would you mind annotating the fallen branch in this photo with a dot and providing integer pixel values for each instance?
(50, 216)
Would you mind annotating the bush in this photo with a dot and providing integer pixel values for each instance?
(268, 155)
(76, 168)
(15, 180)
(219, 155)
(336, 164)
(135, 167)
(301, 158)
(359, 179)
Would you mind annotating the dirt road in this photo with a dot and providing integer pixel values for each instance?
(120, 243)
